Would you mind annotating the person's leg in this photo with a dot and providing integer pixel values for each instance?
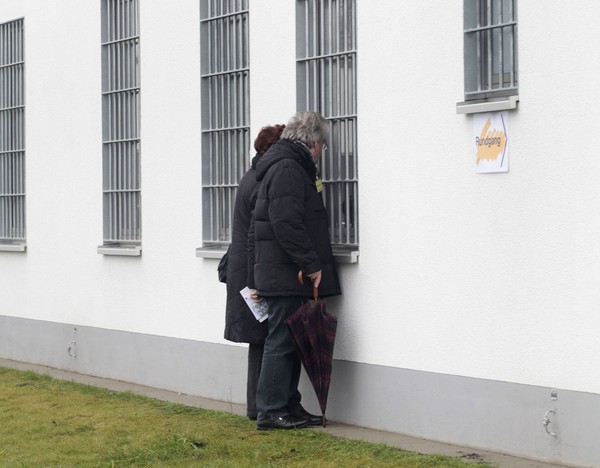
(280, 361)
(295, 408)
(255, 354)
(295, 396)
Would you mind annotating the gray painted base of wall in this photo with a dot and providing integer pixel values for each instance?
(486, 414)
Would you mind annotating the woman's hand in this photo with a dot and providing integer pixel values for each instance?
(255, 297)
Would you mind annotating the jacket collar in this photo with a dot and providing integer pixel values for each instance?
(286, 149)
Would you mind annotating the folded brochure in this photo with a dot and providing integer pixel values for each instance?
(259, 309)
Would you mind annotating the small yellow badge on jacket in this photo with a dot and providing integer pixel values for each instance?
(319, 184)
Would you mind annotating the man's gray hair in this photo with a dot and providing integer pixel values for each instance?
(307, 127)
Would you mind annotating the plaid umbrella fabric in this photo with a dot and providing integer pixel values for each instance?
(313, 331)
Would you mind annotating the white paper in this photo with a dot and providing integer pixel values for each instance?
(491, 140)
(259, 309)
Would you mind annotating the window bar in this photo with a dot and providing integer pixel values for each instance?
(315, 53)
(230, 202)
(349, 24)
(229, 45)
(221, 212)
(218, 213)
(127, 196)
(120, 23)
(501, 45)
(125, 18)
(321, 44)
(234, 101)
(222, 44)
(123, 225)
(332, 84)
(238, 41)
(488, 56)
(246, 44)
(343, 178)
(306, 63)
(228, 160)
(122, 214)
(128, 215)
(355, 185)
(339, 25)
(513, 67)
(213, 214)
(478, 41)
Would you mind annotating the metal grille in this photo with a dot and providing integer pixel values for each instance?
(490, 36)
(121, 122)
(326, 80)
(225, 87)
(12, 133)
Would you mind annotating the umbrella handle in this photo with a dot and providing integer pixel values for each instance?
(315, 289)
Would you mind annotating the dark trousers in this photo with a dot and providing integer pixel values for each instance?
(277, 393)
(255, 356)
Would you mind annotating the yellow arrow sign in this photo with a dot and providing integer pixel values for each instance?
(490, 143)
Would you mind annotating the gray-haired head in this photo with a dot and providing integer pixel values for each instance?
(307, 127)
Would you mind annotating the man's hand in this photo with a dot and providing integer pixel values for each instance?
(315, 278)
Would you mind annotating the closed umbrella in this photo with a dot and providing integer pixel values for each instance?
(313, 331)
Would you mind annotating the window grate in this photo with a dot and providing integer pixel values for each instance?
(326, 78)
(225, 88)
(490, 42)
(12, 133)
(121, 122)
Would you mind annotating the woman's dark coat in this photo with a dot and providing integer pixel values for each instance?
(290, 225)
(240, 324)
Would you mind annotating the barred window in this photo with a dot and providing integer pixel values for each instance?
(490, 48)
(326, 83)
(225, 90)
(121, 126)
(12, 136)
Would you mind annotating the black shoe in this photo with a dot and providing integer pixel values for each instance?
(281, 422)
(313, 419)
(252, 417)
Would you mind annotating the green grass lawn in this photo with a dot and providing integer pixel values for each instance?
(46, 422)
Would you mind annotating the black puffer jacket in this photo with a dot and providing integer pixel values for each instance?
(290, 225)
(240, 324)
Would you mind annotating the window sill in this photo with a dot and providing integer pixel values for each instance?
(13, 247)
(120, 250)
(345, 255)
(341, 255)
(487, 105)
(211, 251)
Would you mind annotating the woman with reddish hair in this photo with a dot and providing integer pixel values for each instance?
(240, 324)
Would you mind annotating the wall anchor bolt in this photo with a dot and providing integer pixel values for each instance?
(546, 422)
(71, 345)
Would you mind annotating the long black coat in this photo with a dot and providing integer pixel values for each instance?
(290, 225)
(240, 324)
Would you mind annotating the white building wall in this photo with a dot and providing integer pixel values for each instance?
(61, 277)
(461, 273)
(488, 276)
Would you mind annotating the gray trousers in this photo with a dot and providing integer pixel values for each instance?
(277, 392)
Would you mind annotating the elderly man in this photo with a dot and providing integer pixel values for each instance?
(291, 234)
